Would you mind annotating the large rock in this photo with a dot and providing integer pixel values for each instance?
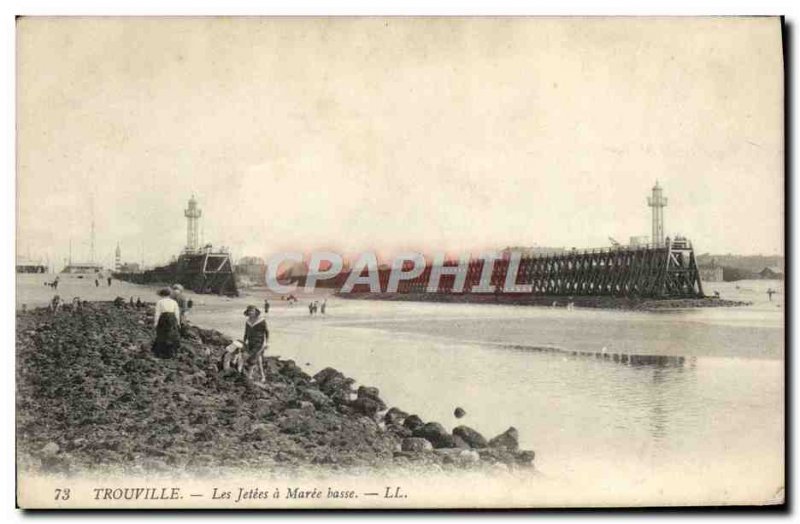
(496, 455)
(335, 385)
(293, 372)
(435, 433)
(509, 439)
(412, 422)
(470, 436)
(326, 374)
(316, 397)
(271, 366)
(445, 441)
(366, 406)
(416, 444)
(395, 416)
(460, 443)
(400, 431)
(525, 457)
(371, 393)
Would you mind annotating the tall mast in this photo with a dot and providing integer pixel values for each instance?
(91, 241)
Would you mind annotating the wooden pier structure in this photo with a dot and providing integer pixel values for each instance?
(665, 271)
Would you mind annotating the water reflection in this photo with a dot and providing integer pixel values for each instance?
(642, 393)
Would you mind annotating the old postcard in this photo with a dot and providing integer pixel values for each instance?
(392, 263)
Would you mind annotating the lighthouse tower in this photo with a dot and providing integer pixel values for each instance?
(117, 258)
(192, 214)
(658, 202)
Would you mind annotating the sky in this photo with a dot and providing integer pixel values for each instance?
(396, 134)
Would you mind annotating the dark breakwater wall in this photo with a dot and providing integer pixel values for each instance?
(601, 302)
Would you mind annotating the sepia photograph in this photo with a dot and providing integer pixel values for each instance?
(379, 262)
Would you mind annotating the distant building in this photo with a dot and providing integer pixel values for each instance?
(253, 269)
(771, 273)
(30, 267)
(129, 267)
(711, 273)
(86, 268)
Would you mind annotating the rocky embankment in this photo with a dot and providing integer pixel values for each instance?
(597, 302)
(90, 394)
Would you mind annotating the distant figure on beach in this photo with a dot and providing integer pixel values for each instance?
(96, 282)
(167, 323)
(322, 307)
(266, 306)
(55, 304)
(770, 292)
(76, 303)
(255, 340)
(132, 302)
(109, 281)
(139, 302)
(310, 308)
(55, 282)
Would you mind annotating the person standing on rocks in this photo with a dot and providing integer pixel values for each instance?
(55, 304)
(266, 306)
(255, 339)
(167, 323)
(177, 296)
(322, 307)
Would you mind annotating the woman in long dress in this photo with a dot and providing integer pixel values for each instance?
(255, 339)
(167, 322)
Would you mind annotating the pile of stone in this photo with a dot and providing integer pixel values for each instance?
(418, 438)
(90, 394)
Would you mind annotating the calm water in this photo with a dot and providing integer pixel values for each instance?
(702, 423)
